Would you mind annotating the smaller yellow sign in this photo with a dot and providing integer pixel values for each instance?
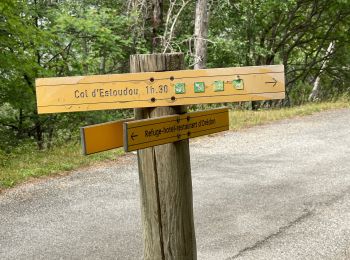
(145, 133)
(102, 137)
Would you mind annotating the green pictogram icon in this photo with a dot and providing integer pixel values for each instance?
(199, 87)
(218, 85)
(180, 88)
(238, 84)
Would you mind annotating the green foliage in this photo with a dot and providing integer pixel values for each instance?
(70, 37)
(39, 39)
(294, 33)
(300, 93)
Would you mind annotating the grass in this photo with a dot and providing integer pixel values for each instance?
(26, 162)
(245, 118)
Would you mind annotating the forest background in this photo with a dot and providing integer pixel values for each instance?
(48, 38)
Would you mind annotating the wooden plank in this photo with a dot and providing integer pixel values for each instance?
(102, 137)
(165, 178)
(156, 89)
(145, 133)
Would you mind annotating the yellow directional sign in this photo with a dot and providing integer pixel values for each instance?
(151, 132)
(102, 137)
(155, 89)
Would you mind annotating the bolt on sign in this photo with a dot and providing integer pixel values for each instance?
(145, 133)
(156, 89)
(102, 137)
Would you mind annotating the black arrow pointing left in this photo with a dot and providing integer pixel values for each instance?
(133, 136)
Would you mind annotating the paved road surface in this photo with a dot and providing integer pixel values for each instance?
(279, 191)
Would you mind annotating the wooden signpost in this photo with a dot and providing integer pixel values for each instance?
(145, 133)
(158, 88)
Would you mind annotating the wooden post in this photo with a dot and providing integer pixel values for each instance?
(165, 179)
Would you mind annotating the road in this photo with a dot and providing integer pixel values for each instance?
(277, 191)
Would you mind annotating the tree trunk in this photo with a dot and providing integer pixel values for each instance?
(201, 34)
(157, 21)
(39, 133)
(316, 88)
(165, 179)
(20, 124)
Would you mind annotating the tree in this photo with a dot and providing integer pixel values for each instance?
(294, 33)
(40, 39)
(201, 34)
(316, 86)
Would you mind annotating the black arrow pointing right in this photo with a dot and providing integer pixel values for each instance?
(274, 82)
